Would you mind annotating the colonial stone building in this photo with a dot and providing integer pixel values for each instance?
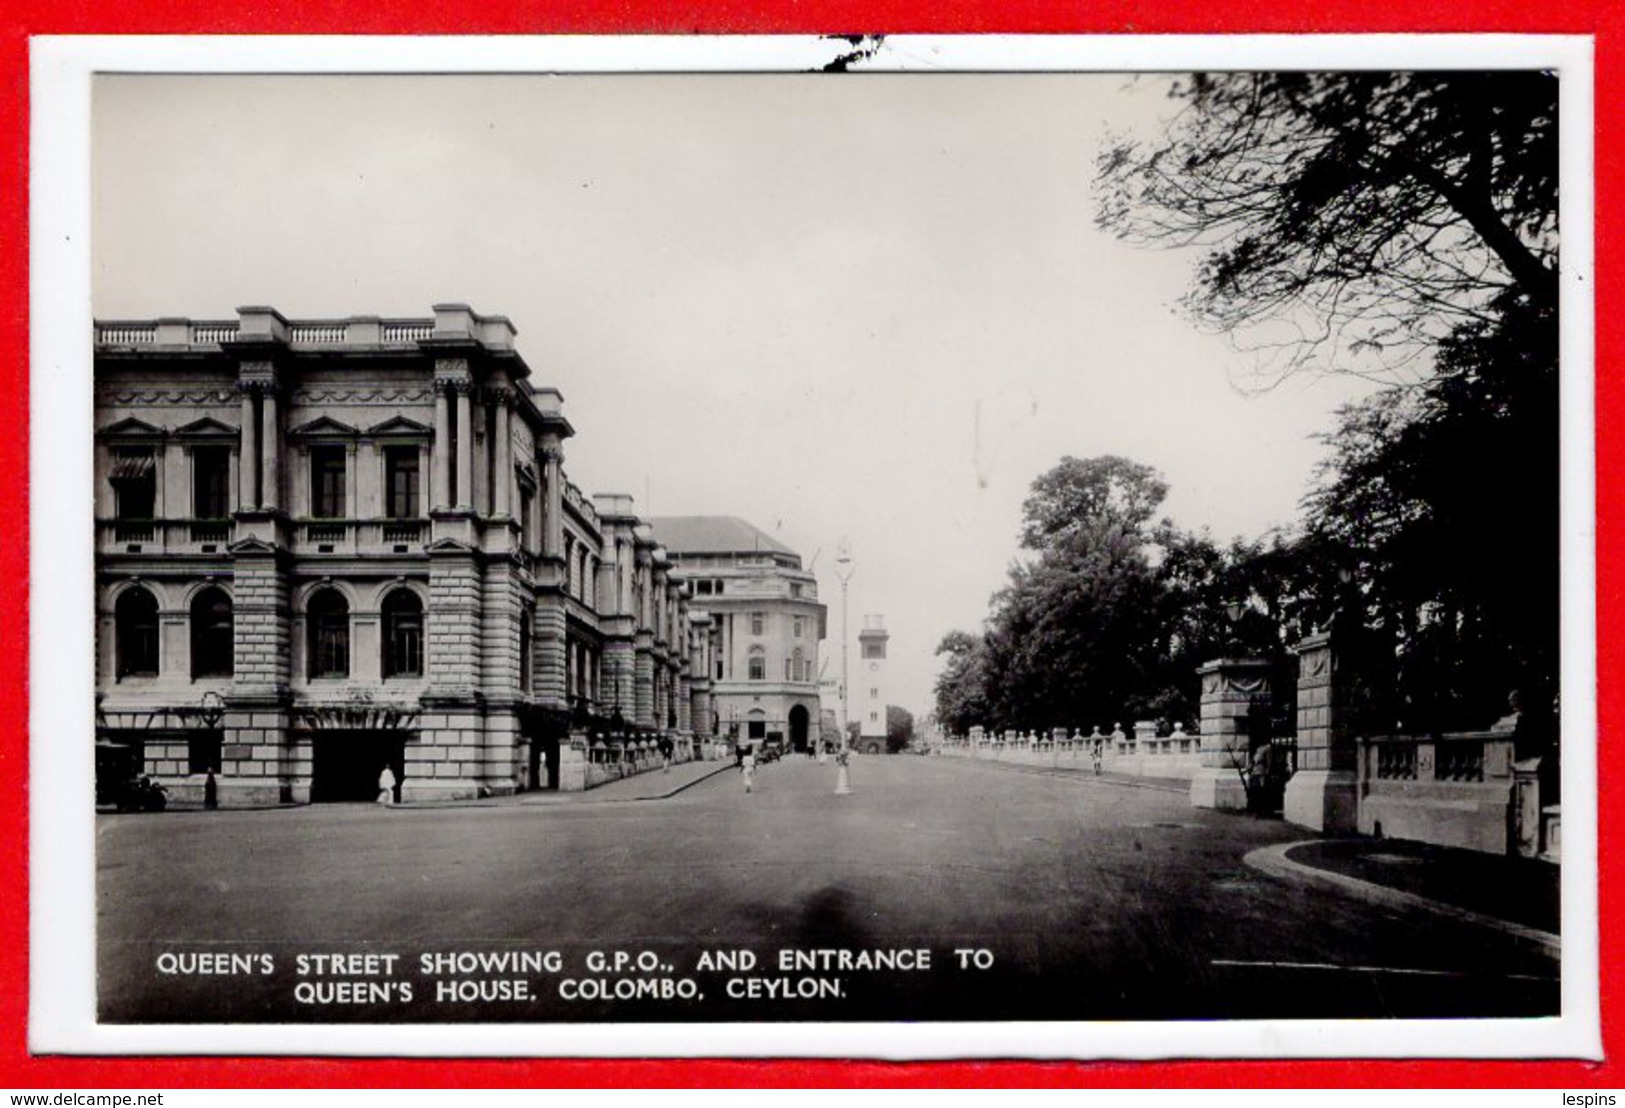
(766, 622)
(327, 547)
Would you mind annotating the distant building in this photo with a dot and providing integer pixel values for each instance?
(766, 624)
(869, 689)
(328, 547)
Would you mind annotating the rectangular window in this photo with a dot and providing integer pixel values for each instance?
(702, 588)
(798, 627)
(874, 694)
(401, 499)
(525, 501)
(758, 668)
(327, 482)
(787, 669)
(756, 623)
(795, 590)
(211, 482)
(525, 649)
(719, 669)
(203, 752)
(719, 588)
(135, 482)
(403, 653)
(874, 650)
(332, 646)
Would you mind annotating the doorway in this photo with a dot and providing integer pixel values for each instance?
(798, 729)
(346, 765)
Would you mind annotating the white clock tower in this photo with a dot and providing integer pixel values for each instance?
(869, 685)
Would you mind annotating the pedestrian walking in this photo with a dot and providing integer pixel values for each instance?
(747, 768)
(386, 786)
(1095, 751)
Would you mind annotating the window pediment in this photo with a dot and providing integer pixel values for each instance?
(400, 426)
(324, 427)
(131, 428)
(206, 428)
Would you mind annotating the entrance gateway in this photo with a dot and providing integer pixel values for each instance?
(346, 765)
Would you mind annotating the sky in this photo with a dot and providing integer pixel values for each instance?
(862, 307)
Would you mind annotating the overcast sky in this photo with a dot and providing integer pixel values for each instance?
(866, 306)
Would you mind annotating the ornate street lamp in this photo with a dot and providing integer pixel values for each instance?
(211, 710)
(843, 571)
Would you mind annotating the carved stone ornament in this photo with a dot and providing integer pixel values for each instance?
(356, 717)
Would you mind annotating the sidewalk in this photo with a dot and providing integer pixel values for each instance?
(1085, 771)
(1519, 890)
(1516, 896)
(652, 785)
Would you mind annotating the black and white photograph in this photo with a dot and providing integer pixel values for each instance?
(1017, 555)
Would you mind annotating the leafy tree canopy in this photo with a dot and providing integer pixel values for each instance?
(1093, 497)
(899, 728)
(1348, 221)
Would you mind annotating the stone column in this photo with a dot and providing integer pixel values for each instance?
(271, 453)
(248, 466)
(440, 461)
(1230, 689)
(502, 475)
(553, 509)
(620, 677)
(1323, 793)
(643, 678)
(548, 646)
(465, 449)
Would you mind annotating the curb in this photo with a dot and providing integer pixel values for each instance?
(721, 767)
(1273, 861)
(442, 805)
(1075, 775)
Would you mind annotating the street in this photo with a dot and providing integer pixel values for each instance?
(1072, 898)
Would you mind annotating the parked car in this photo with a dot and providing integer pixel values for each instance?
(142, 794)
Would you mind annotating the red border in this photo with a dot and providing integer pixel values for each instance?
(1604, 19)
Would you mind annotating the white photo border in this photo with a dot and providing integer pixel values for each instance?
(62, 1017)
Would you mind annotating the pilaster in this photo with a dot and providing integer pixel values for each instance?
(1323, 793)
(1232, 688)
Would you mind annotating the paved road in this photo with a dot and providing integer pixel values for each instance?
(1094, 901)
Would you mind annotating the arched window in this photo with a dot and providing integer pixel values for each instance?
(758, 664)
(135, 619)
(327, 621)
(213, 646)
(403, 634)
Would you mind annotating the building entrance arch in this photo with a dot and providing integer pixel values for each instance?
(798, 729)
(346, 765)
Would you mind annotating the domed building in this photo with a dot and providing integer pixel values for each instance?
(766, 621)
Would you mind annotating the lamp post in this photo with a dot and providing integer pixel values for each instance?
(212, 710)
(843, 571)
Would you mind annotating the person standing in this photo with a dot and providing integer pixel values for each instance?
(747, 767)
(386, 786)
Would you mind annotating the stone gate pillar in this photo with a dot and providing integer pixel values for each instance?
(1230, 689)
(1322, 794)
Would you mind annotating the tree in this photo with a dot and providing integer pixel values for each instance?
(899, 728)
(1092, 494)
(961, 688)
(1447, 499)
(1072, 639)
(1348, 220)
